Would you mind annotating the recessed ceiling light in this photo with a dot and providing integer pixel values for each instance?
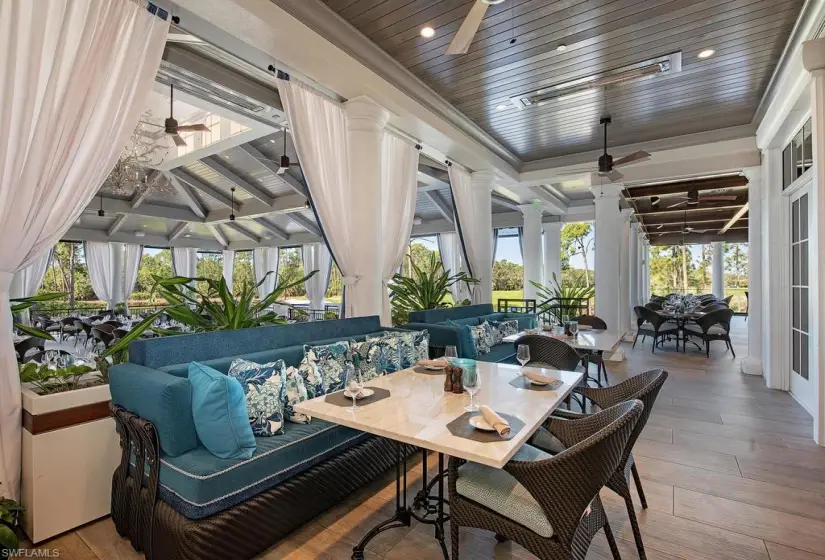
(187, 235)
(427, 32)
(271, 141)
(707, 53)
(561, 48)
(144, 225)
(501, 107)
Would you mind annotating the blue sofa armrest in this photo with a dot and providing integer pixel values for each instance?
(446, 335)
(525, 320)
(164, 400)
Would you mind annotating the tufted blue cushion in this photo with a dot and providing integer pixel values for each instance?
(164, 400)
(219, 411)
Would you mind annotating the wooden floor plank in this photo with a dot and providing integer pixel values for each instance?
(709, 460)
(781, 552)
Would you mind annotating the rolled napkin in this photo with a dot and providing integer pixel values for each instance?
(497, 422)
(438, 363)
(357, 391)
(539, 378)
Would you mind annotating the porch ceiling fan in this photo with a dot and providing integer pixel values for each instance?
(693, 198)
(469, 27)
(285, 163)
(170, 125)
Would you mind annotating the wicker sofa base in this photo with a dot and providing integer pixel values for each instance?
(244, 530)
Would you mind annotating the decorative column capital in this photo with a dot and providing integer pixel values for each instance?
(753, 174)
(365, 114)
(626, 213)
(611, 191)
(484, 179)
(813, 55)
(532, 209)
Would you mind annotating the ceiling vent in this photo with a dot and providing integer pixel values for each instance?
(644, 70)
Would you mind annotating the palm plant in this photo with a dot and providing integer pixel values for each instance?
(560, 301)
(19, 305)
(424, 288)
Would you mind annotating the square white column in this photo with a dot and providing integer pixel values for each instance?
(624, 272)
(483, 182)
(718, 269)
(531, 246)
(752, 365)
(634, 264)
(608, 267)
(552, 252)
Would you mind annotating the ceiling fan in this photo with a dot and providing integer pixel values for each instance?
(469, 27)
(170, 125)
(693, 198)
(606, 164)
(284, 163)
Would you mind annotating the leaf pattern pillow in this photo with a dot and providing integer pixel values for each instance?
(327, 362)
(264, 390)
(480, 338)
(412, 346)
(375, 357)
(505, 328)
(296, 392)
(491, 333)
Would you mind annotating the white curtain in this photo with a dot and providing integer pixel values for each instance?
(27, 281)
(131, 263)
(265, 259)
(316, 257)
(229, 268)
(105, 270)
(468, 210)
(319, 131)
(399, 188)
(74, 79)
(449, 246)
(185, 261)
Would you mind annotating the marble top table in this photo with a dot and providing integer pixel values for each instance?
(418, 410)
(589, 340)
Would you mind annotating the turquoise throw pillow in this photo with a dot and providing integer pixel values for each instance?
(467, 335)
(219, 412)
(265, 394)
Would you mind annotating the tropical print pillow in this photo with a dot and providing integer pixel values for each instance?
(375, 357)
(505, 328)
(264, 391)
(296, 392)
(492, 334)
(481, 339)
(412, 346)
(327, 362)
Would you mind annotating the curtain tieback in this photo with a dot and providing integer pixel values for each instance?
(386, 281)
(350, 280)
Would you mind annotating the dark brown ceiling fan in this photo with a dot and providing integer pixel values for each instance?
(170, 125)
(285, 163)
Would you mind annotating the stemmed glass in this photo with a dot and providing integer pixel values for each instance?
(353, 383)
(523, 354)
(469, 377)
(574, 328)
(450, 352)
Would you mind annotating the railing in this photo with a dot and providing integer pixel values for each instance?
(515, 305)
(305, 314)
(553, 309)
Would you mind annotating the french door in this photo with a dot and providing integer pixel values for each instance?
(801, 385)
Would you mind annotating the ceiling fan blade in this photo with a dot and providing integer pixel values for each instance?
(677, 204)
(193, 128)
(635, 157)
(615, 176)
(721, 197)
(464, 37)
(178, 140)
(151, 124)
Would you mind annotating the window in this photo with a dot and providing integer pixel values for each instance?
(210, 265)
(242, 273)
(798, 157)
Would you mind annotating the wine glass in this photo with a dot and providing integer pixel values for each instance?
(353, 383)
(450, 352)
(523, 354)
(574, 328)
(469, 377)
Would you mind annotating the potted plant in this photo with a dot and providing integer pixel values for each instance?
(9, 519)
(562, 301)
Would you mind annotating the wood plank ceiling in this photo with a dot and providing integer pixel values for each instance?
(666, 216)
(516, 51)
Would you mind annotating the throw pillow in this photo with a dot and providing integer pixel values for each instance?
(296, 392)
(467, 335)
(480, 337)
(505, 328)
(264, 392)
(412, 346)
(492, 334)
(220, 414)
(375, 357)
(329, 362)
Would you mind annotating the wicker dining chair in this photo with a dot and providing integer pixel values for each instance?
(596, 357)
(712, 326)
(553, 520)
(553, 437)
(650, 323)
(550, 351)
(654, 305)
(40, 356)
(67, 329)
(28, 344)
(102, 334)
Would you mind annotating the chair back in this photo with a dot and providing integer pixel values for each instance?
(68, 321)
(650, 316)
(591, 321)
(113, 323)
(119, 333)
(82, 326)
(42, 354)
(713, 306)
(22, 347)
(565, 484)
(551, 351)
(727, 300)
(644, 387)
(654, 305)
(718, 317)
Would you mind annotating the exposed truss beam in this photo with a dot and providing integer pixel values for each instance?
(741, 212)
(215, 229)
(305, 223)
(558, 194)
(680, 187)
(735, 235)
(551, 203)
(117, 206)
(506, 202)
(218, 167)
(179, 230)
(84, 234)
(440, 205)
(243, 231)
(273, 168)
(253, 209)
(204, 188)
(115, 227)
(151, 179)
(185, 192)
(271, 228)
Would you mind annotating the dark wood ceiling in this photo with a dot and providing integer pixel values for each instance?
(664, 215)
(515, 51)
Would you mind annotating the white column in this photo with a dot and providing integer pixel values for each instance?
(634, 264)
(752, 365)
(646, 274)
(718, 269)
(229, 266)
(624, 272)
(608, 253)
(117, 274)
(365, 128)
(483, 182)
(531, 245)
(552, 252)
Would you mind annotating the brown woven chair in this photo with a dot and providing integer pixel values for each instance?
(102, 334)
(596, 357)
(28, 344)
(712, 326)
(68, 328)
(653, 324)
(551, 351)
(559, 489)
(554, 437)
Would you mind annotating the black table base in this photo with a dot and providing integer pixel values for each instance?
(426, 508)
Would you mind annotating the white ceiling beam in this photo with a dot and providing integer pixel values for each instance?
(506, 202)
(117, 206)
(218, 167)
(305, 223)
(273, 168)
(558, 194)
(271, 228)
(84, 234)
(185, 192)
(151, 179)
(551, 203)
(215, 229)
(253, 209)
(115, 227)
(742, 211)
(440, 205)
(199, 185)
(178, 230)
(294, 240)
(243, 231)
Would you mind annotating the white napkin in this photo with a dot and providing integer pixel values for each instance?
(500, 424)
(539, 378)
(439, 363)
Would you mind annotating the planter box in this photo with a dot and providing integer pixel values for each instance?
(70, 450)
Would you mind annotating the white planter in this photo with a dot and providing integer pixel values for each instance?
(70, 451)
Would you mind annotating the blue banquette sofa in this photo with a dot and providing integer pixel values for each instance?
(442, 334)
(173, 499)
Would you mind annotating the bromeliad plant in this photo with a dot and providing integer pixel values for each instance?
(19, 305)
(560, 301)
(423, 289)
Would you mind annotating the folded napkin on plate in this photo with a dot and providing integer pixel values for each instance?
(539, 378)
(500, 424)
(439, 363)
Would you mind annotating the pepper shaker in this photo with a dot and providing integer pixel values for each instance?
(448, 379)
